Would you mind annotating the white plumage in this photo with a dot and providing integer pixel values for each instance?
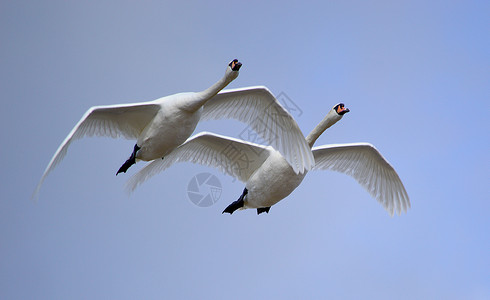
(269, 178)
(161, 125)
(257, 107)
(369, 168)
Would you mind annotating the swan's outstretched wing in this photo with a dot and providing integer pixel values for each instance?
(257, 107)
(234, 157)
(364, 162)
(127, 120)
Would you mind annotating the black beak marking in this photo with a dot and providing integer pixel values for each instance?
(235, 65)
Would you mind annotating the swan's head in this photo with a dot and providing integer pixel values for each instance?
(233, 68)
(340, 109)
(336, 113)
(235, 65)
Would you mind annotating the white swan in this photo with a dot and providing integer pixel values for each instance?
(161, 125)
(269, 178)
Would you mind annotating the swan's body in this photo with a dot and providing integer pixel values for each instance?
(273, 181)
(269, 178)
(170, 127)
(162, 125)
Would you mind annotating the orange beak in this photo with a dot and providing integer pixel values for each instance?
(235, 65)
(341, 109)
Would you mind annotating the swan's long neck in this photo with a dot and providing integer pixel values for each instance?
(331, 118)
(203, 96)
(215, 88)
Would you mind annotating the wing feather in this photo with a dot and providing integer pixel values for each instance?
(127, 120)
(257, 107)
(369, 168)
(231, 156)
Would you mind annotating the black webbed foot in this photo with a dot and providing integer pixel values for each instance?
(236, 204)
(263, 209)
(233, 206)
(131, 161)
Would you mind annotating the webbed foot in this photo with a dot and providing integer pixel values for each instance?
(263, 209)
(236, 204)
(131, 161)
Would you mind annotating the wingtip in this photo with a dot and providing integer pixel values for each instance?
(35, 194)
(399, 209)
(302, 166)
(130, 186)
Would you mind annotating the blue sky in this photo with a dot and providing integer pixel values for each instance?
(415, 76)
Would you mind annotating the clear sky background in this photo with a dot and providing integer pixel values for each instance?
(414, 74)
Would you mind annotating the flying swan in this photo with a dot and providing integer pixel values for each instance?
(269, 178)
(162, 125)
